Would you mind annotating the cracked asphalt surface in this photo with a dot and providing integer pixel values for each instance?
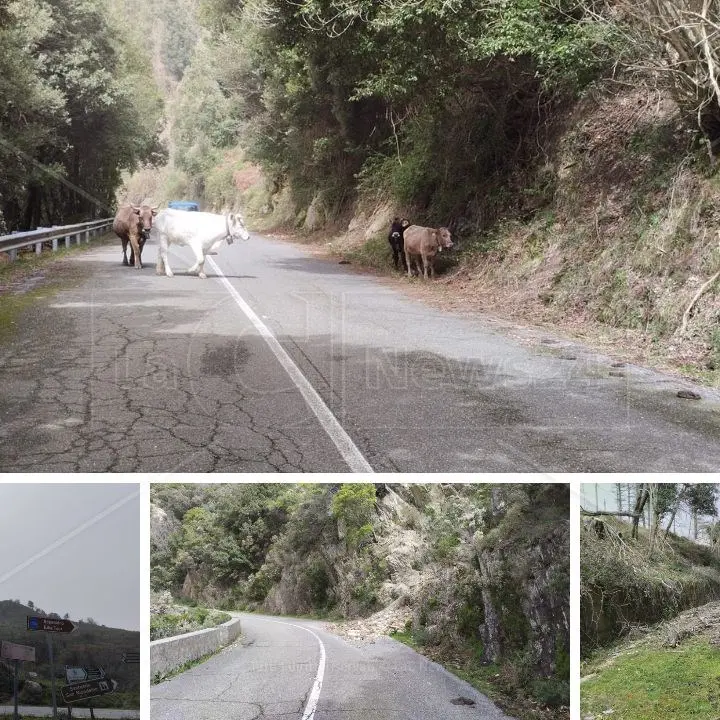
(269, 673)
(133, 372)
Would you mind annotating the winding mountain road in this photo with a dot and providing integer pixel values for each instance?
(280, 361)
(286, 669)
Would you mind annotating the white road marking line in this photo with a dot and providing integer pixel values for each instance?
(343, 442)
(312, 702)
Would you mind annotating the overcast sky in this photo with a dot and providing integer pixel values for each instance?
(603, 496)
(73, 548)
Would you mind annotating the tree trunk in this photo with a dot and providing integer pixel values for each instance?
(640, 501)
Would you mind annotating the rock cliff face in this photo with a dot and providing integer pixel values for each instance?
(525, 592)
(451, 567)
(468, 571)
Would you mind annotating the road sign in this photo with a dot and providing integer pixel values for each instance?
(49, 624)
(131, 657)
(80, 674)
(84, 690)
(12, 651)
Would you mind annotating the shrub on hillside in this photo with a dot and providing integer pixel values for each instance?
(621, 587)
(189, 620)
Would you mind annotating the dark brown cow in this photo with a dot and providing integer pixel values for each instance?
(132, 224)
(423, 243)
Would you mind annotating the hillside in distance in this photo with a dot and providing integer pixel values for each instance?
(89, 645)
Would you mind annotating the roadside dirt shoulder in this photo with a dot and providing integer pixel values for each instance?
(464, 291)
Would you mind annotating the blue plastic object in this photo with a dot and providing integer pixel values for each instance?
(184, 205)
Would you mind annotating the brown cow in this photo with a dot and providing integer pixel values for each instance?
(424, 243)
(132, 224)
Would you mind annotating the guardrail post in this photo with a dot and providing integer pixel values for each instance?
(28, 239)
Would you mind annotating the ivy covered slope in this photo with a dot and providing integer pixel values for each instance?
(476, 576)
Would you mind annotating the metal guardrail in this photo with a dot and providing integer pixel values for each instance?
(10, 244)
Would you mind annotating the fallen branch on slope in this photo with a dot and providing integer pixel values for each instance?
(703, 288)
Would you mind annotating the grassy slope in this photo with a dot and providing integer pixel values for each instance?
(669, 671)
(656, 677)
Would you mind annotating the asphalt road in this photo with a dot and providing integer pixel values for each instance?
(46, 712)
(286, 669)
(293, 363)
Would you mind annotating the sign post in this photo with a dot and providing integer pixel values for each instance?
(16, 663)
(16, 653)
(50, 625)
(52, 674)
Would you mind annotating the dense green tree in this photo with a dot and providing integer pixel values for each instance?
(702, 499)
(428, 101)
(73, 110)
(32, 110)
(178, 498)
(180, 35)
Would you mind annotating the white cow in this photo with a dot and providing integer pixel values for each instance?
(203, 232)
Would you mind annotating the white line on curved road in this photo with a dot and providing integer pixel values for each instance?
(343, 442)
(312, 702)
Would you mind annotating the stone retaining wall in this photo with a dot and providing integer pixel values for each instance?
(170, 653)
